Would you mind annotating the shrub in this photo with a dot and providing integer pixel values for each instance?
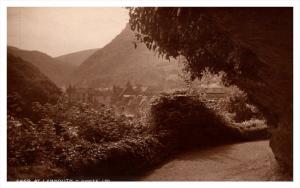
(189, 121)
(77, 138)
(238, 104)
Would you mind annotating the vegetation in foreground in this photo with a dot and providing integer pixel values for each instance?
(79, 141)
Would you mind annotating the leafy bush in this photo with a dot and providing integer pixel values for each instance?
(189, 121)
(76, 138)
(239, 105)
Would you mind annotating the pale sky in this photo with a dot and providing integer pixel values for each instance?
(58, 31)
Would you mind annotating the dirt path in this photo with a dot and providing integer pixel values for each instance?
(251, 161)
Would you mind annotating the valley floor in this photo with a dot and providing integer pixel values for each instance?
(250, 161)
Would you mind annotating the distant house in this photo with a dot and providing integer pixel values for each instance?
(130, 100)
(88, 95)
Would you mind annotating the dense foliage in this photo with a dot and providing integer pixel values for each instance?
(77, 140)
(67, 136)
(238, 104)
(189, 122)
(191, 33)
(253, 46)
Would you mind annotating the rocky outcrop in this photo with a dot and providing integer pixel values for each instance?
(268, 34)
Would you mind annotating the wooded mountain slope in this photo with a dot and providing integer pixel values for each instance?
(119, 62)
(56, 71)
(26, 84)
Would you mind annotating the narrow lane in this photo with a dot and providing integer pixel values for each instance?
(250, 161)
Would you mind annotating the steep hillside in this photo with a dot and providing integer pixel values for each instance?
(76, 58)
(119, 62)
(26, 84)
(53, 69)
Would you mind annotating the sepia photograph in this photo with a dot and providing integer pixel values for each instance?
(150, 94)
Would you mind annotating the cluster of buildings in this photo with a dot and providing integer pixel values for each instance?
(129, 99)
